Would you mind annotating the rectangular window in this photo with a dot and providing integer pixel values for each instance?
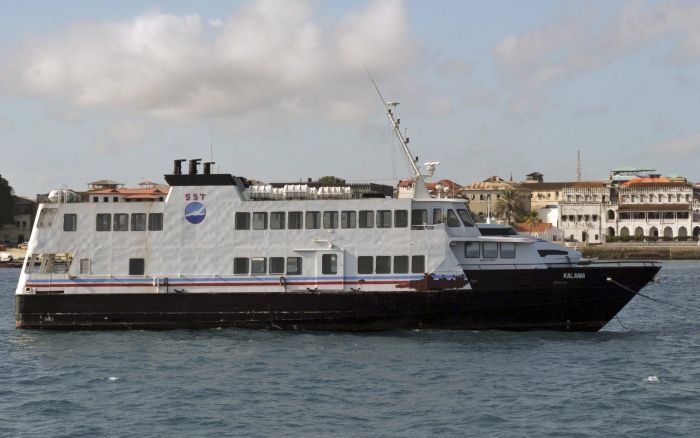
(348, 219)
(242, 221)
(418, 264)
(489, 250)
(138, 221)
(668, 215)
(366, 219)
(105, 199)
(137, 267)
(682, 215)
(384, 219)
(400, 264)
(240, 266)
(639, 215)
(293, 265)
(330, 219)
(277, 220)
(155, 222)
(313, 220)
(329, 264)
(472, 250)
(95, 199)
(452, 219)
(260, 220)
(296, 220)
(103, 222)
(383, 265)
(653, 215)
(419, 218)
(508, 250)
(437, 216)
(258, 265)
(85, 266)
(365, 264)
(276, 265)
(70, 222)
(401, 218)
(121, 222)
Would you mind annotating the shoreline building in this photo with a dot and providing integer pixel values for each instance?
(483, 196)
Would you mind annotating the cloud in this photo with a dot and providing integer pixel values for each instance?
(269, 56)
(440, 106)
(680, 147)
(571, 46)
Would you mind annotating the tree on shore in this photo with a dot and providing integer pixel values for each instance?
(508, 205)
(531, 218)
(7, 202)
(331, 181)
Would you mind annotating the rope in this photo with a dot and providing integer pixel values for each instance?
(694, 309)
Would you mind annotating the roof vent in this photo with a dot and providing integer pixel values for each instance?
(193, 165)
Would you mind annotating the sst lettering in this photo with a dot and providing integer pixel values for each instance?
(195, 196)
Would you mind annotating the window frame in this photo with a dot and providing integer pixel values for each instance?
(103, 225)
(71, 225)
(242, 220)
(365, 219)
(383, 218)
(239, 263)
(133, 222)
(362, 267)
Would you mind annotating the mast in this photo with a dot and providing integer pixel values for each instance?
(419, 190)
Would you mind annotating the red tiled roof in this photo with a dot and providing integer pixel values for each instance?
(535, 228)
(649, 181)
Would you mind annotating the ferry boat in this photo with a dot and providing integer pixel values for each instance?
(220, 251)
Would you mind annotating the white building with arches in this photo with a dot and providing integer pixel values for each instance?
(652, 207)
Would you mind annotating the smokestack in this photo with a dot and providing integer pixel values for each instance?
(193, 165)
(177, 167)
(207, 167)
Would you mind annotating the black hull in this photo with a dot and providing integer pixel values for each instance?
(562, 306)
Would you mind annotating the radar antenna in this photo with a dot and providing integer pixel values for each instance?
(420, 190)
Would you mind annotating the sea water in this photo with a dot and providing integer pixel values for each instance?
(234, 382)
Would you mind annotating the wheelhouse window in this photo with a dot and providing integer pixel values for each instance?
(466, 218)
(507, 250)
(138, 221)
(258, 265)
(452, 219)
(277, 220)
(121, 222)
(137, 267)
(329, 264)
(293, 265)
(295, 220)
(70, 222)
(348, 219)
(419, 218)
(313, 220)
(472, 250)
(366, 219)
(401, 264)
(401, 218)
(418, 264)
(103, 222)
(155, 222)
(276, 265)
(437, 216)
(260, 220)
(365, 264)
(383, 265)
(242, 220)
(330, 219)
(489, 250)
(241, 266)
(384, 219)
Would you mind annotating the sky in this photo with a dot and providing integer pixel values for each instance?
(279, 90)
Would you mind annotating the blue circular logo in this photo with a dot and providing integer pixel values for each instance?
(195, 212)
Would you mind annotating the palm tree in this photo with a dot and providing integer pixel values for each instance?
(508, 205)
(531, 218)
